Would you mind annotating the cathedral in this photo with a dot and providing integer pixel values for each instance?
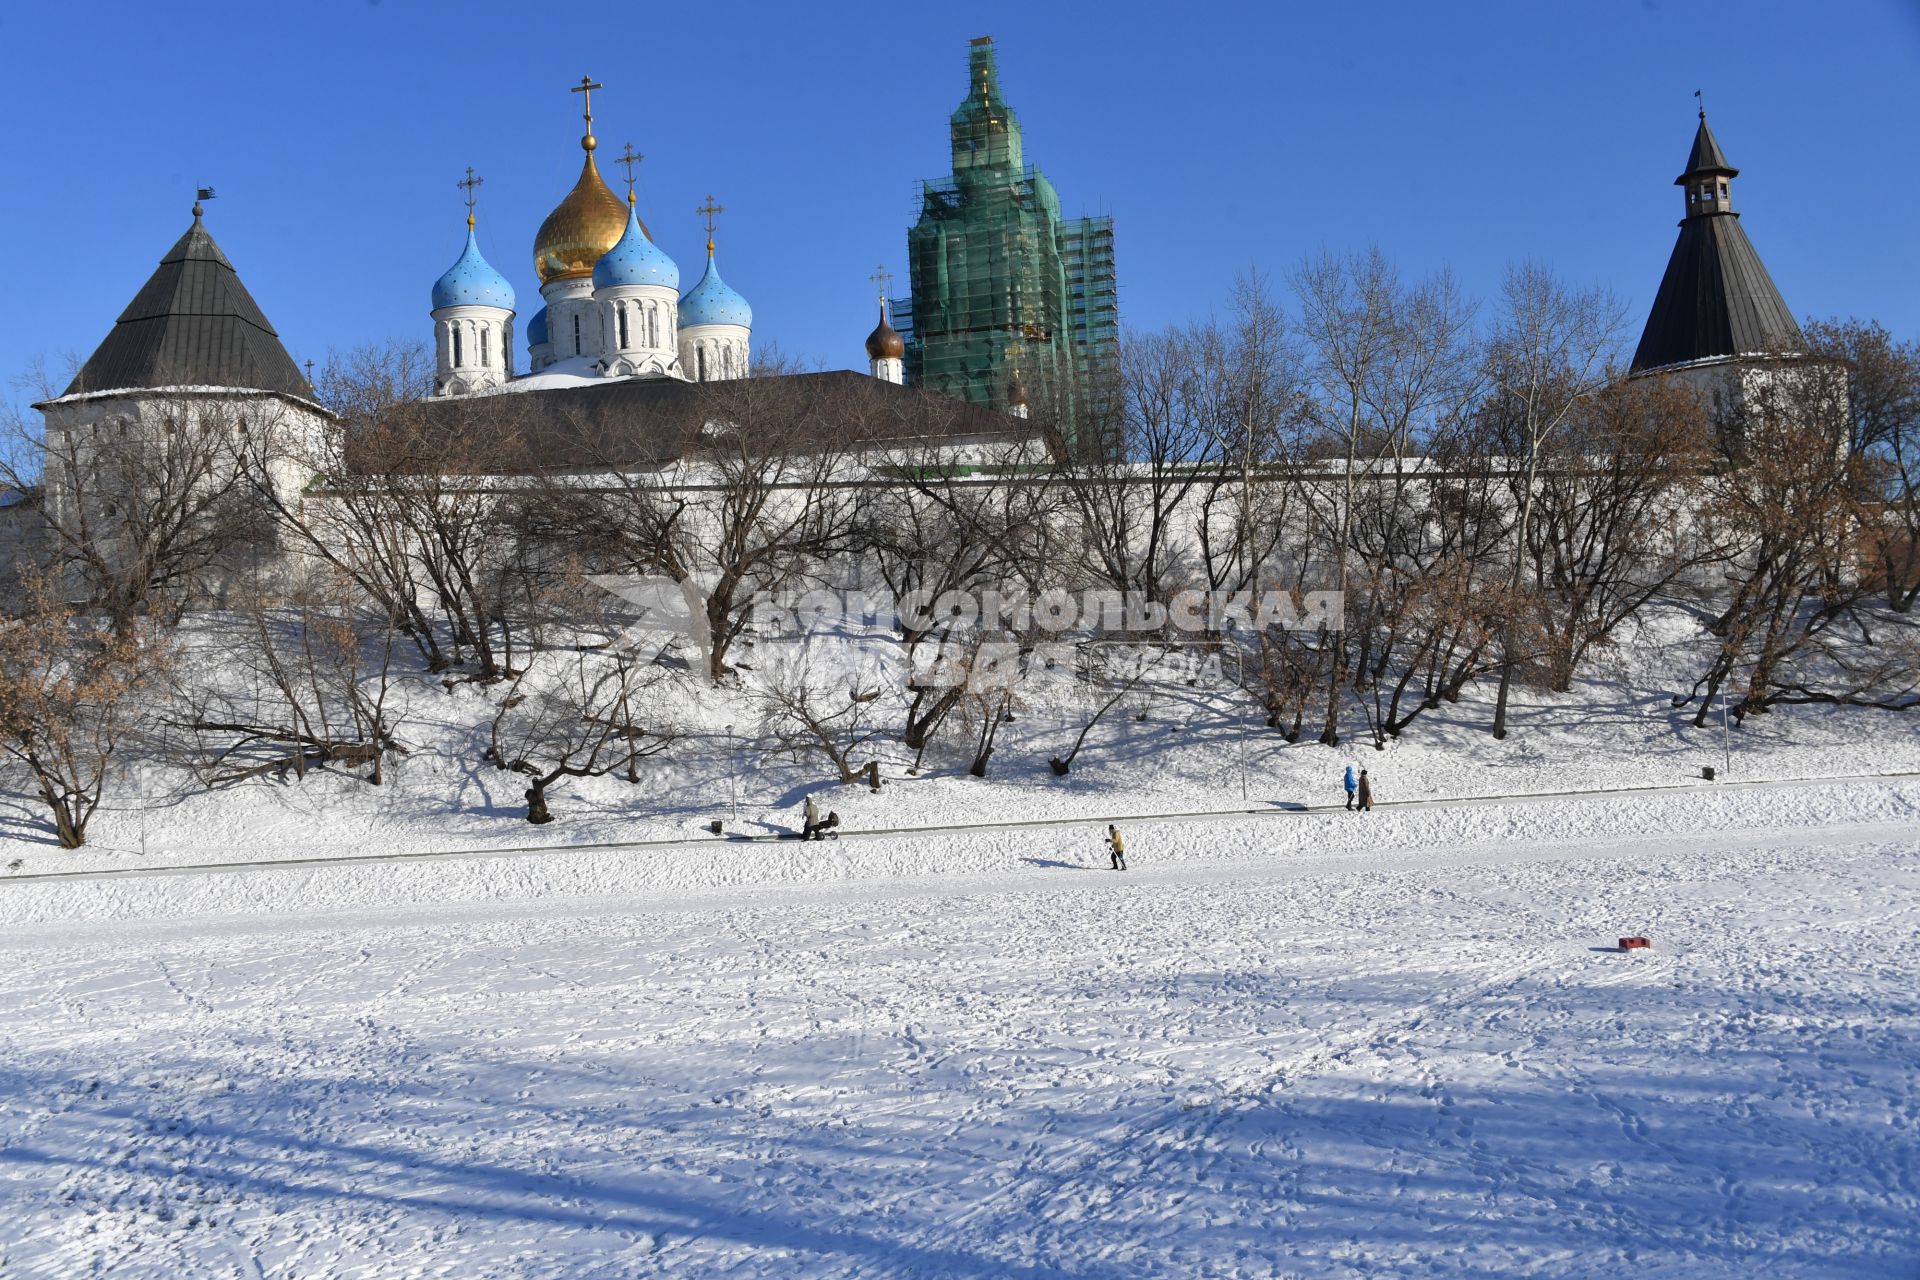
(611, 299)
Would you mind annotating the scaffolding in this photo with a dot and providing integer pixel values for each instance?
(1000, 285)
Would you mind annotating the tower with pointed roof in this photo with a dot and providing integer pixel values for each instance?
(1716, 302)
(997, 278)
(193, 352)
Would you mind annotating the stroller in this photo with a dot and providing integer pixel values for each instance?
(828, 828)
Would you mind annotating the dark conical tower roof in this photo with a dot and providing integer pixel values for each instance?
(1716, 299)
(193, 324)
(1706, 156)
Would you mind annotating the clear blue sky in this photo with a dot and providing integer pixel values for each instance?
(1218, 136)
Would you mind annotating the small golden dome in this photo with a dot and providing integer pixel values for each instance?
(883, 343)
(581, 228)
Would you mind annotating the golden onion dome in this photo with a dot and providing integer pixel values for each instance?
(581, 228)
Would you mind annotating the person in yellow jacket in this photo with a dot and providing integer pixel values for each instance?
(1117, 847)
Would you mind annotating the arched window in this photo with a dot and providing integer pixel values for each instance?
(700, 359)
(620, 311)
(486, 351)
(576, 333)
(653, 324)
(459, 354)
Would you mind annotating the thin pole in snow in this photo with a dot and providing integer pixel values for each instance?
(1726, 735)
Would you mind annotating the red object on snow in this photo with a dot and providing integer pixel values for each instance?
(1633, 944)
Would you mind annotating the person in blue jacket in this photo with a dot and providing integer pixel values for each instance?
(1352, 785)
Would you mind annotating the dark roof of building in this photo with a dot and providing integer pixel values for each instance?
(1706, 156)
(1716, 300)
(193, 324)
(650, 422)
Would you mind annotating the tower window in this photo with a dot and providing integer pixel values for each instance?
(459, 355)
(576, 333)
(486, 355)
(701, 360)
(622, 314)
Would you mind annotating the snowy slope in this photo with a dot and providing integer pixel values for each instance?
(1197, 749)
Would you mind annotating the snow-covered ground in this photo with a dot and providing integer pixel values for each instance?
(1306, 1045)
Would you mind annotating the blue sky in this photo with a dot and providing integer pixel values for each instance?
(1218, 136)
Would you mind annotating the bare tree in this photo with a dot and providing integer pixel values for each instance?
(72, 694)
(1792, 500)
(1884, 430)
(1548, 353)
(578, 713)
(143, 507)
(294, 684)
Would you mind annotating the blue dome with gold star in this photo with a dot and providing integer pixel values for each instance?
(471, 282)
(634, 259)
(713, 301)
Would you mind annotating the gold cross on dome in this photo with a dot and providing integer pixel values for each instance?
(882, 280)
(629, 160)
(585, 88)
(468, 183)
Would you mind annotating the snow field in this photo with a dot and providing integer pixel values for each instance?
(1398, 1047)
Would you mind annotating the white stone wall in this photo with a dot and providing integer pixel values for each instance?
(574, 325)
(889, 370)
(639, 321)
(473, 348)
(715, 352)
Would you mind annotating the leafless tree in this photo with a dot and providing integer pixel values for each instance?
(1884, 430)
(1792, 499)
(293, 682)
(72, 693)
(578, 713)
(143, 507)
(1548, 353)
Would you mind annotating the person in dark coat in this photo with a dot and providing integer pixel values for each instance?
(1116, 847)
(1365, 792)
(1351, 785)
(810, 820)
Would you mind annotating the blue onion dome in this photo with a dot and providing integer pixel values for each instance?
(713, 301)
(470, 282)
(537, 329)
(634, 259)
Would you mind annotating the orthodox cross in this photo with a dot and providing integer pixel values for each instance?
(628, 159)
(585, 88)
(469, 183)
(711, 213)
(1701, 103)
(882, 280)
